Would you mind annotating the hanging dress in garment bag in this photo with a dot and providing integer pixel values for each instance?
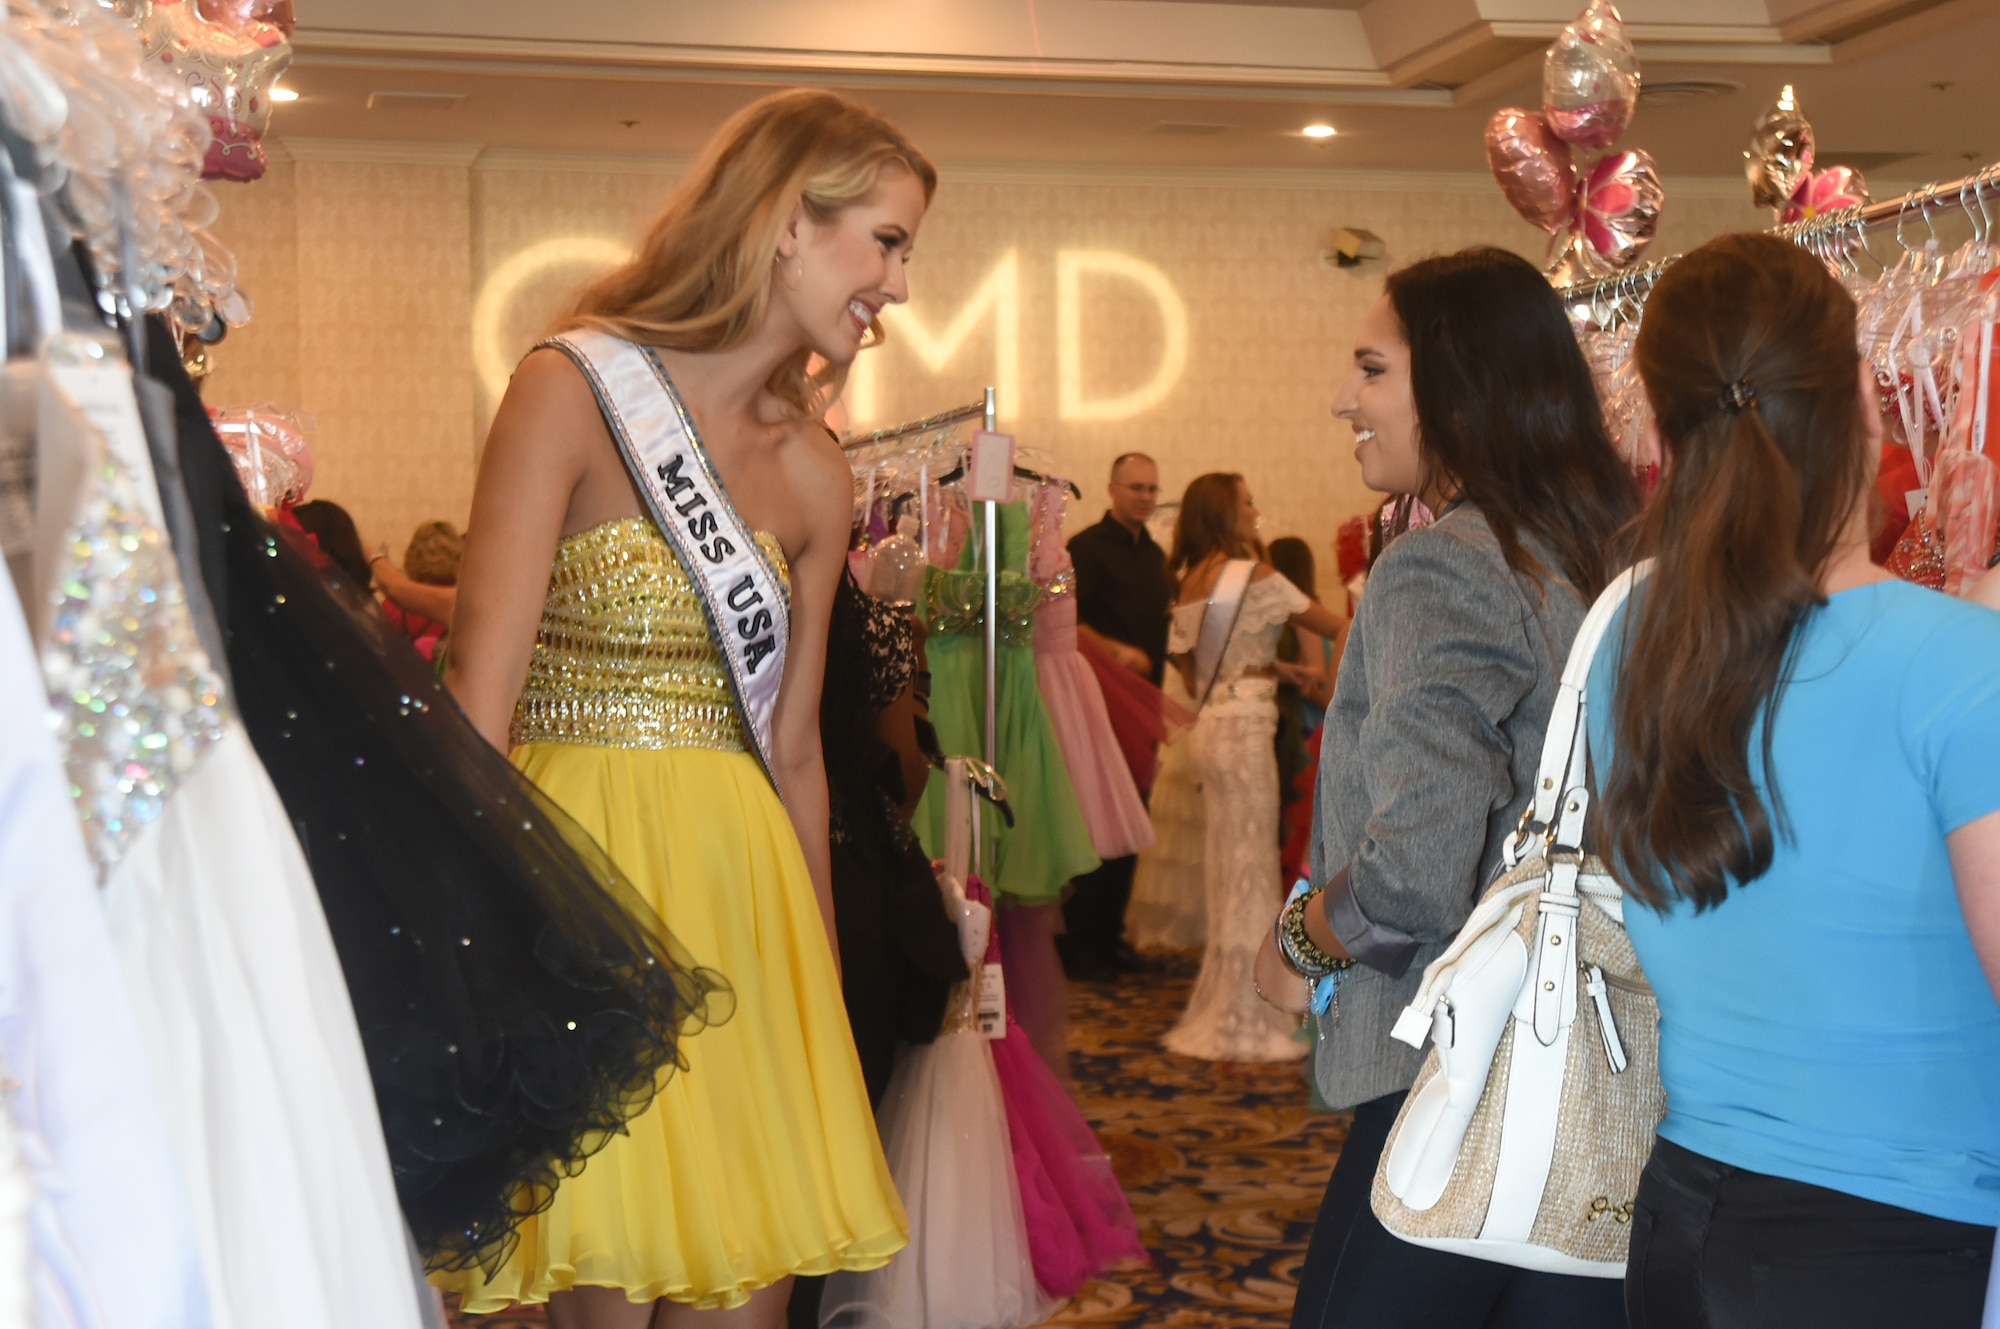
(110, 1232)
(242, 1010)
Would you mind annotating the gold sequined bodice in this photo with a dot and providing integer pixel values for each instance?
(623, 657)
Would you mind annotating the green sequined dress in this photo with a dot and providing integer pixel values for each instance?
(1049, 843)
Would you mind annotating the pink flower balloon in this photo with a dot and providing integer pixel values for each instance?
(1619, 206)
(1829, 190)
(1532, 166)
(1590, 79)
(1617, 215)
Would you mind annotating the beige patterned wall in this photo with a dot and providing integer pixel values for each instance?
(369, 273)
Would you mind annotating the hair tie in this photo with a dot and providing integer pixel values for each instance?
(1739, 396)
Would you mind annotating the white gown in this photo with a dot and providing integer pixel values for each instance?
(1236, 761)
(111, 1236)
(214, 917)
(1168, 911)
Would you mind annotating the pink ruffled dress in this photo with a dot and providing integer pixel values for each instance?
(1112, 807)
(1079, 1221)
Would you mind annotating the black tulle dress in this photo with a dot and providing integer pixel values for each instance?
(517, 1002)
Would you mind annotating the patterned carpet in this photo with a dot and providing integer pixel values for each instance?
(1224, 1164)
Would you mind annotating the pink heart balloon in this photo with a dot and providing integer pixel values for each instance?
(1590, 79)
(1532, 166)
(1829, 190)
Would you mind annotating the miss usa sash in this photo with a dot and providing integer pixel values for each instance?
(748, 609)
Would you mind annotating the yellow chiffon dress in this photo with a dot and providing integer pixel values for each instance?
(760, 1159)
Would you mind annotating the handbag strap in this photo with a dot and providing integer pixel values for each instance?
(1561, 808)
(1565, 748)
(1231, 589)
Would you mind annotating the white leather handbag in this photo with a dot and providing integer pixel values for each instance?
(1524, 1135)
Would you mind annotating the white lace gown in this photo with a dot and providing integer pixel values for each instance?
(1168, 912)
(1234, 757)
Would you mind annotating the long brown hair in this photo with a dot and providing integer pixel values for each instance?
(701, 280)
(1748, 356)
(1507, 415)
(1206, 523)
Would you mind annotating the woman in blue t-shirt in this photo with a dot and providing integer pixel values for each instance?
(1803, 792)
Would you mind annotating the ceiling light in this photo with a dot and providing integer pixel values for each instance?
(279, 94)
(1318, 131)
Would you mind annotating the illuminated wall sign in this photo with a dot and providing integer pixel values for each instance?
(998, 296)
(1071, 265)
(490, 358)
(997, 299)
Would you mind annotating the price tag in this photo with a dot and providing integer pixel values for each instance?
(992, 1013)
(990, 473)
(1914, 500)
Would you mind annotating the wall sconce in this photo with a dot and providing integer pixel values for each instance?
(1350, 247)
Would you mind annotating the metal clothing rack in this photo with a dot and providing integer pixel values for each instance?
(1831, 235)
(988, 410)
(924, 426)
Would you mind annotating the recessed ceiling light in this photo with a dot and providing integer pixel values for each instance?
(283, 95)
(1318, 131)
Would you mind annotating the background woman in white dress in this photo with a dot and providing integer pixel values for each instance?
(1224, 641)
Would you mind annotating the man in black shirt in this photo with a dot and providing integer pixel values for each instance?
(1123, 597)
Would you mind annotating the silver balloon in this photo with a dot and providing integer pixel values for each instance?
(1590, 79)
(1780, 153)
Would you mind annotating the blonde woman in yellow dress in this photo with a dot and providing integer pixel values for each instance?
(657, 533)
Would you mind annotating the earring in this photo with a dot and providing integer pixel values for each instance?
(798, 270)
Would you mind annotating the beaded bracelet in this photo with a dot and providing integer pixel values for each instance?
(1300, 953)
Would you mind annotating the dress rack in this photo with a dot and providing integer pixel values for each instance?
(987, 410)
(854, 442)
(1833, 235)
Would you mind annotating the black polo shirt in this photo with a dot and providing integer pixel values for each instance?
(1122, 590)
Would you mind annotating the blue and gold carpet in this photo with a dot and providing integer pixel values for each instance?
(1224, 1164)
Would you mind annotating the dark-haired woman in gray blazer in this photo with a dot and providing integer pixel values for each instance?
(1468, 390)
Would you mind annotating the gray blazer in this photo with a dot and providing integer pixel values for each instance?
(1430, 750)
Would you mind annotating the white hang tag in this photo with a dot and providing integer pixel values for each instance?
(990, 470)
(992, 1014)
(1915, 499)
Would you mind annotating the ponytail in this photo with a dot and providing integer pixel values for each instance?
(1748, 356)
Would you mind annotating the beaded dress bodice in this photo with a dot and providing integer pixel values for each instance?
(133, 699)
(624, 657)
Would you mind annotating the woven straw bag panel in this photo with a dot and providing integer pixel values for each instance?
(1604, 1129)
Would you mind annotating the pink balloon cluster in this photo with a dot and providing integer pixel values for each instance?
(1600, 212)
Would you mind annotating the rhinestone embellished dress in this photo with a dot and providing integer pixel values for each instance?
(761, 1161)
(251, 1039)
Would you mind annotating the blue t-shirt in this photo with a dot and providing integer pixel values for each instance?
(1829, 1022)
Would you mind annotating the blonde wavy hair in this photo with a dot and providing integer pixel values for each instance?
(701, 280)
